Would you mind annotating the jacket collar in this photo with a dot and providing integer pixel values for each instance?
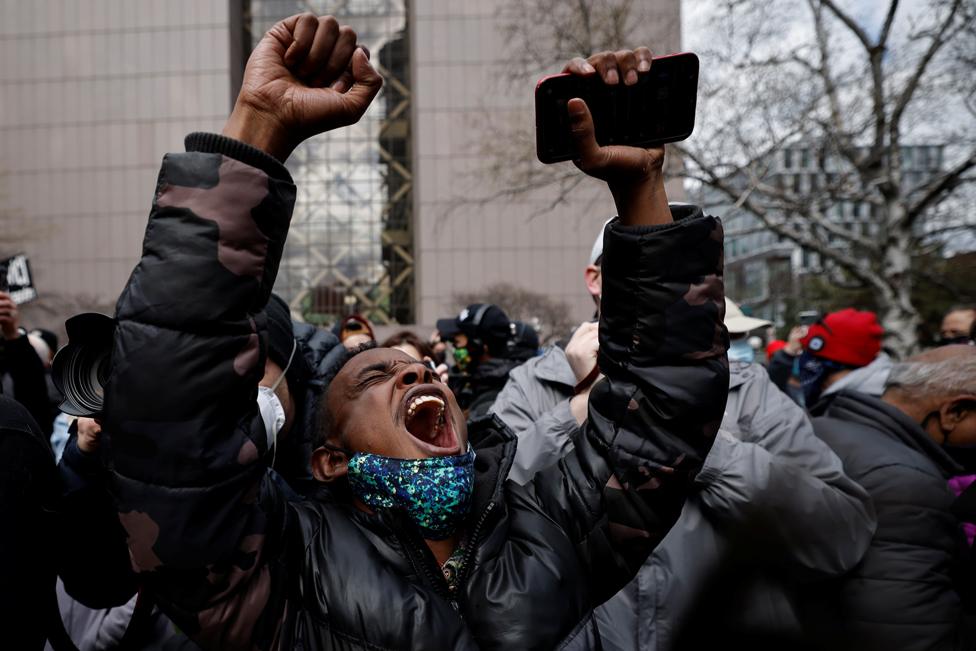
(553, 366)
(493, 372)
(494, 444)
(740, 373)
(879, 415)
(868, 379)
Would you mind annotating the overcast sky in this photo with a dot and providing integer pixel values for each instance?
(868, 13)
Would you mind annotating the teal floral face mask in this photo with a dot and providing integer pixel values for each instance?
(435, 493)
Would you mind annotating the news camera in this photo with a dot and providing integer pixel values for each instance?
(82, 366)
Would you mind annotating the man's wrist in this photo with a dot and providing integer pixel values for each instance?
(579, 406)
(259, 130)
(643, 202)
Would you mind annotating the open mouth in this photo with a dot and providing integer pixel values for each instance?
(428, 420)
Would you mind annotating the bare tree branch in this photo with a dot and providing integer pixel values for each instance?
(889, 20)
(851, 24)
(938, 41)
(945, 230)
(938, 188)
(806, 240)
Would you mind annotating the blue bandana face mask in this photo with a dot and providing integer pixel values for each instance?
(435, 493)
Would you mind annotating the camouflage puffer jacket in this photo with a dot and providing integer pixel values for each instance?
(238, 566)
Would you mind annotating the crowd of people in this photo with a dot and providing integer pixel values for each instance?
(657, 479)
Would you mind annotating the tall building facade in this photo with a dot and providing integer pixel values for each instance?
(763, 271)
(92, 94)
(400, 214)
(395, 217)
(351, 243)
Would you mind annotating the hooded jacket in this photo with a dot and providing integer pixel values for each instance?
(772, 497)
(902, 595)
(23, 379)
(236, 565)
(868, 379)
(320, 350)
(485, 382)
(28, 495)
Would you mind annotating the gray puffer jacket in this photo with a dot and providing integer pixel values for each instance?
(772, 495)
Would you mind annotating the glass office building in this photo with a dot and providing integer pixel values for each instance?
(350, 247)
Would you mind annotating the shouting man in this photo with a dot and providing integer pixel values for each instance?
(417, 540)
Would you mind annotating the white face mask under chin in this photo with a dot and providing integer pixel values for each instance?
(273, 415)
(272, 411)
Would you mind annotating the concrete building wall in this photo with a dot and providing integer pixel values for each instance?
(92, 94)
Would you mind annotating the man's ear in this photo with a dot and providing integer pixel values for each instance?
(329, 465)
(594, 281)
(955, 410)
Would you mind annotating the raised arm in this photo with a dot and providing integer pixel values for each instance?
(25, 367)
(652, 420)
(187, 445)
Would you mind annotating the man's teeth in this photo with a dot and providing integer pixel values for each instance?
(421, 400)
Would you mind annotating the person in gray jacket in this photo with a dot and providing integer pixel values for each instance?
(773, 499)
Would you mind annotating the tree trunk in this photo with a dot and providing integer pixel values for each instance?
(898, 315)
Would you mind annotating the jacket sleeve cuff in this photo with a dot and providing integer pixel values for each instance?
(214, 143)
(662, 291)
(78, 469)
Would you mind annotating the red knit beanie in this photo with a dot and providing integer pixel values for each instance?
(847, 337)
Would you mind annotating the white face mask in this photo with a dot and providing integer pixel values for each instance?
(272, 411)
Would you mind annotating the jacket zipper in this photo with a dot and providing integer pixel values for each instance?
(473, 545)
(420, 553)
(437, 580)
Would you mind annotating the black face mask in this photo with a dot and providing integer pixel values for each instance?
(949, 341)
(964, 455)
(812, 374)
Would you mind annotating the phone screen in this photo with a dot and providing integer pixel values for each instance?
(808, 317)
(658, 109)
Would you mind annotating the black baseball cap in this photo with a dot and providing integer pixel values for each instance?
(478, 320)
(524, 342)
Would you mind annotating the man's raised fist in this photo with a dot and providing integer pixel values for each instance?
(306, 76)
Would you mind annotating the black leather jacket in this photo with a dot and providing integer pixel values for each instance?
(238, 565)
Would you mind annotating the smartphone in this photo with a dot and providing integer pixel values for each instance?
(658, 109)
(808, 317)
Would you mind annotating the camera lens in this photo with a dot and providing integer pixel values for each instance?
(81, 369)
(83, 379)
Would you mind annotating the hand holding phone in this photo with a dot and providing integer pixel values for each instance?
(634, 174)
(647, 106)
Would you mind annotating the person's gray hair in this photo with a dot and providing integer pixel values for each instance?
(952, 376)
